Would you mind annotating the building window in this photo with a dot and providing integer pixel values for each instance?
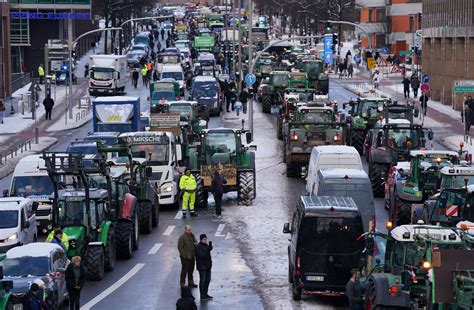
(412, 23)
(380, 40)
(380, 15)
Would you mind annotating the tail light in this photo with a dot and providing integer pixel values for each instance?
(383, 148)
(148, 99)
(298, 266)
(389, 225)
(408, 185)
(426, 265)
(408, 144)
(294, 138)
(337, 138)
(393, 290)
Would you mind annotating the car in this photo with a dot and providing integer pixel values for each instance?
(141, 48)
(175, 72)
(109, 138)
(133, 58)
(172, 50)
(83, 147)
(17, 221)
(41, 263)
(167, 25)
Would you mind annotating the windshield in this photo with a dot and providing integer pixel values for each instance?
(8, 219)
(313, 67)
(101, 127)
(178, 76)
(25, 267)
(73, 212)
(138, 48)
(317, 117)
(102, 74)
(280, 80)
(402, 138)
(456, 181)
(106, 140)
(173, 59)
(266, 68)
(156, 153)
(164, 95)
(32, 185)
(331, 235)
(448, 207)
(179, 109)
(221, 142)
(369, 108)
(201, 90)
(140, 40)
(82, 149)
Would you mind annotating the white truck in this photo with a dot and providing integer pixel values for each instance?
(107, 74)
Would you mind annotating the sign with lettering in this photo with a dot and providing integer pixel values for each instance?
(49, 16)
(148, 139)
(229, 172)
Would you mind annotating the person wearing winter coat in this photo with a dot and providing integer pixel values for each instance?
(466, 115)
(424, 102)
(243, 97)
(57, 239)
(135, 76)
(75, 276)
(406, 87)
(32, 300)
(204, 265)
(415, 84)
(186, 244)
(217, 190)
(48, 103)
(186, 302)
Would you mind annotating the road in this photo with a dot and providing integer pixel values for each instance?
(250, 250)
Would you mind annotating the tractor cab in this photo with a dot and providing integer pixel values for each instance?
(395, 111)
(457, 176)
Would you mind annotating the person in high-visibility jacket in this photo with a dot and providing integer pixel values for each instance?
(144, 72)
(41, 73)
(188, 185)
(64, 238)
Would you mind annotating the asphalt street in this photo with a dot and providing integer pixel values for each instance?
(250, 250)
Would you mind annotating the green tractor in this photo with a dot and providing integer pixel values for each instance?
(83, 211)
(271, 90)
(388, 144)
(221, 149)
(363, 116)
(417, 267)
(406, 190)
(307, 126)
(6, 299)
(318, 79)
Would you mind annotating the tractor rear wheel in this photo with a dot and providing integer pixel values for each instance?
(279, 128)
(357, 140)
(124, 239)
(110, 253)
(246, 190)
(296, 292)
(376, 173)
(145, 213)
(155, 214)
(400, 211)
(291, 171)
(94, 263)
(266, 104)
(201, 197)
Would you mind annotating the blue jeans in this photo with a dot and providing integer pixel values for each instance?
(204, 280)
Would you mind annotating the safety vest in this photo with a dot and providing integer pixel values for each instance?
(187, 182)
(64, 239)
(144, 71)
(149, 66)
(40, 71)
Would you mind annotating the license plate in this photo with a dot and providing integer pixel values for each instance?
(315, 278)
(18, 307)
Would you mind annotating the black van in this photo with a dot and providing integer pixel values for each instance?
(324, 245)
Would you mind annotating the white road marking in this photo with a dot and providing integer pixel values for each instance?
(220, 228)
(228, 236)
(179, 215)
(169, 230)
(113, 287)
(155, 248)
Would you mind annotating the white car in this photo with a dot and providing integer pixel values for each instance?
(17, 222)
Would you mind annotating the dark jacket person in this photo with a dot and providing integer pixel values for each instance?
(48, 103)
(204, 265)
(217, 189)
(186, 302)
(75, 278)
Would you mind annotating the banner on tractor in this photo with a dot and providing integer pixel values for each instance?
(229, 172)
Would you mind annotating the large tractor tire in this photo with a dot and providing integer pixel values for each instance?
(247, 188)
(110, 253)
(376, 173)
(400, 211)
(124, 239)
(357, 140)
(145, 214)
(266, 104)
(94, 262)
(201, 195)
(291, 170)
(279, 128)
(296, 292)
(155, 214)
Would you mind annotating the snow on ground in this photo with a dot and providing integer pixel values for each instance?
(7, 167)
(80, 117)
(452, 142)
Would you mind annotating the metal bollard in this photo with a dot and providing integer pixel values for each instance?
(36, 136)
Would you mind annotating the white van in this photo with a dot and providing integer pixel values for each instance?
(174, 72)
(17, 222)
(31, 180)
(331, 157)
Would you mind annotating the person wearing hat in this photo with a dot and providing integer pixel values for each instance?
(204, 265)
(64, 237)
(57, 239)
(31, 300)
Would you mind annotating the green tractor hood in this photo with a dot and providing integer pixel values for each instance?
(76, 234)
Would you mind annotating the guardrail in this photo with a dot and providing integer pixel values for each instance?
(12, 153)
(80, 115)
(20, 79)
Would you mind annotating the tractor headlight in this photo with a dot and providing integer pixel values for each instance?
(167, 188)
(13, 237)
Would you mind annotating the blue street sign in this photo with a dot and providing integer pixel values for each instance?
(426, 78)
(356, 58)
(385, 50)
(328, 49)
(250, 79)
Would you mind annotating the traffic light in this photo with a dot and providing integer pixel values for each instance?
(73, 53)
(334, 42)
(328, 27)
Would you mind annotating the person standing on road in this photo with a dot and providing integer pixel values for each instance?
(204, 265)
(354, 291)
(424, 102)
(376, 79)
(135, 76)
(41, 73)
(162, 34)
(406, 87)
(48, 103)
(75, 276)
(217, 190)
(64, 237)
(186, 302)
(86, 70)
(243, 98)
(186, 248)
(350, 70)
(188, 185)
(466, 115)
(144, 72)
(415, 84)
(31, 300)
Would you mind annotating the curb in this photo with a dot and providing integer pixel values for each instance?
(81, 123)
(9, 166)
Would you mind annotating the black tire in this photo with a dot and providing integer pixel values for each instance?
(110, 253)
(266, 104)
(136, 232)
(94, 263)
(279, 128)
(296, 292)
(145, 214)
(370, 297)
(400, 211)
(156, 214)
(357, 139)
(376, 171)
(9, 305)
(290, 276)
(291, 172)
(124, 239)
(201, 197)
(246, 191)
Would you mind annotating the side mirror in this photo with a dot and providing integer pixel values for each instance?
(179, 152)
(430, 135)
(203, 123)
(26, 225)
(416, 112)
(253, 147)
(286, 228)
(7, 285)
(34, 206)
(248, 137)
(6, 193)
